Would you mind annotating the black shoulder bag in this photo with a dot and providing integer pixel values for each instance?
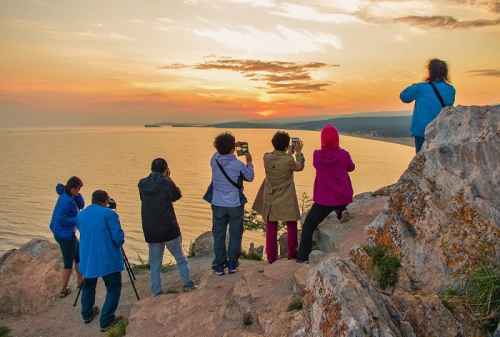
(436, 91)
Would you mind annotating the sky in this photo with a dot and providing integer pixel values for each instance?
(119, 62)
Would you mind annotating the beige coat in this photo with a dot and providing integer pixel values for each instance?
(277, 198)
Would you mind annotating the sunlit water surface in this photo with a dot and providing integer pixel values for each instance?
(115, 158)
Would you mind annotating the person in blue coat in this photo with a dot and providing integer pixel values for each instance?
(101, 240)
(430, 97)
(63, 227)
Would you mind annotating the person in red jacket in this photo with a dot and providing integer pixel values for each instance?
(332, 186)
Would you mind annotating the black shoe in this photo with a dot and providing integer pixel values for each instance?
(95, 312)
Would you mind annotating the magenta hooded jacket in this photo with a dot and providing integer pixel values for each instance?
(332, 186)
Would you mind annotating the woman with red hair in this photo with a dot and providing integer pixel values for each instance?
(332, 186)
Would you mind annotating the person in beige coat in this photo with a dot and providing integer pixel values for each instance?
(277, 198)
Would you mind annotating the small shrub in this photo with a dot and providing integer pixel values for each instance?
(4, 331)
(385, 265)
(252, 221)
(478, 295)
(251, 256)
(118, 330)
(296, 304)
(305, 203)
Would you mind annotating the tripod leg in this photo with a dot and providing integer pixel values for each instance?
(77, 295)
(133, 284)
(127, 264)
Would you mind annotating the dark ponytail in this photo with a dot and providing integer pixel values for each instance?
(438, 71)
(73, 182)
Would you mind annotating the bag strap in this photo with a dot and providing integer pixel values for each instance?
(238, 186)
(436, 91)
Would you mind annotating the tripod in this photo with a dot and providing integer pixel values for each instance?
(130, 273)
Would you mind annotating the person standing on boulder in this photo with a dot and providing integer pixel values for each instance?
(332, 187)
(225, 194)
(63, 227)
(101, 240)
(430, 97)
(277, 198)
(158, 192)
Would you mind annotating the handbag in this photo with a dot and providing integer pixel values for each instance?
(209, 194)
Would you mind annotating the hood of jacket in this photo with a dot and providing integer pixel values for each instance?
(60, 189)
(329, 138)
(152, 183)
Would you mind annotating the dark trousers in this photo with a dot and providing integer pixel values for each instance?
(222, 218)
(419, 141)
(113, 284)
(316, 215)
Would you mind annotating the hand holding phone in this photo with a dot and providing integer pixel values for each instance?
(242, 149)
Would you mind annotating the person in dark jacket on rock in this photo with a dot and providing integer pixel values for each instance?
(158, 192)
(63, 227)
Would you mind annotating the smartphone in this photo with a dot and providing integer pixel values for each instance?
(295, 142)
(242, 149)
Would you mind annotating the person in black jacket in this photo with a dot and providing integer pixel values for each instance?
(158, 192)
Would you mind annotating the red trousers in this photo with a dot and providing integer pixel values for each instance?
(272, 240)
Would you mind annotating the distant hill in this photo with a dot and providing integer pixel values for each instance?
(386, 126)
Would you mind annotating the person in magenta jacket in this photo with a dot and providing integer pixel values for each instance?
(332, 186)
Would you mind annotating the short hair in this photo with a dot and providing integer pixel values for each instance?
(73, 182)
(159, 165)
(281, 140)
(225, 143)
(438, 71)
(100, 197)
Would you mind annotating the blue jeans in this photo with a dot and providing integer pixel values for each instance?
(222, 217)
(113, 284)
(156, 251)
(419, 141)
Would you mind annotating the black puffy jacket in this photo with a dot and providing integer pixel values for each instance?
(159, 222)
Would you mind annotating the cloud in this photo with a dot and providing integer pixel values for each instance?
(485, 72)
(104, 36)
(308, 13)
(280, 41)
(278, 77)
(438, 21)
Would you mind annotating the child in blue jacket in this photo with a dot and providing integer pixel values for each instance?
(63, 227)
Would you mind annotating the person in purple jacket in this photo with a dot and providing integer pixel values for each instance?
(63, 227)
(332, 187)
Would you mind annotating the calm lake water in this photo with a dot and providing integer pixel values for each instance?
(115, 158)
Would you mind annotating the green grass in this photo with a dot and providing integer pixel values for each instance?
(143, 266)
(4, 331)
(118, 330)
(478, 294)
(296, 304)
(256, 257)
(385, 265)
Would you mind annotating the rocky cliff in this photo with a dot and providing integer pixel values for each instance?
(441, 221)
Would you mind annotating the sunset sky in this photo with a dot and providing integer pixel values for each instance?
(128, 61)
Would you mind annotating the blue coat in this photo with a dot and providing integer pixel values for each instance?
(427, 105)
(63, 222)
(101, 237)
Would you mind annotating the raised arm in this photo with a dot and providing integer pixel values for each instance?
(409, 94)
(350, 163)
(173, 192)
(80, 202)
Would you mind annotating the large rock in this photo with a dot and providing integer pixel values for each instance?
(444, 213)
(203, 245)
(441, 216)
(253, 302)
(30, 277)
(337, 236)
